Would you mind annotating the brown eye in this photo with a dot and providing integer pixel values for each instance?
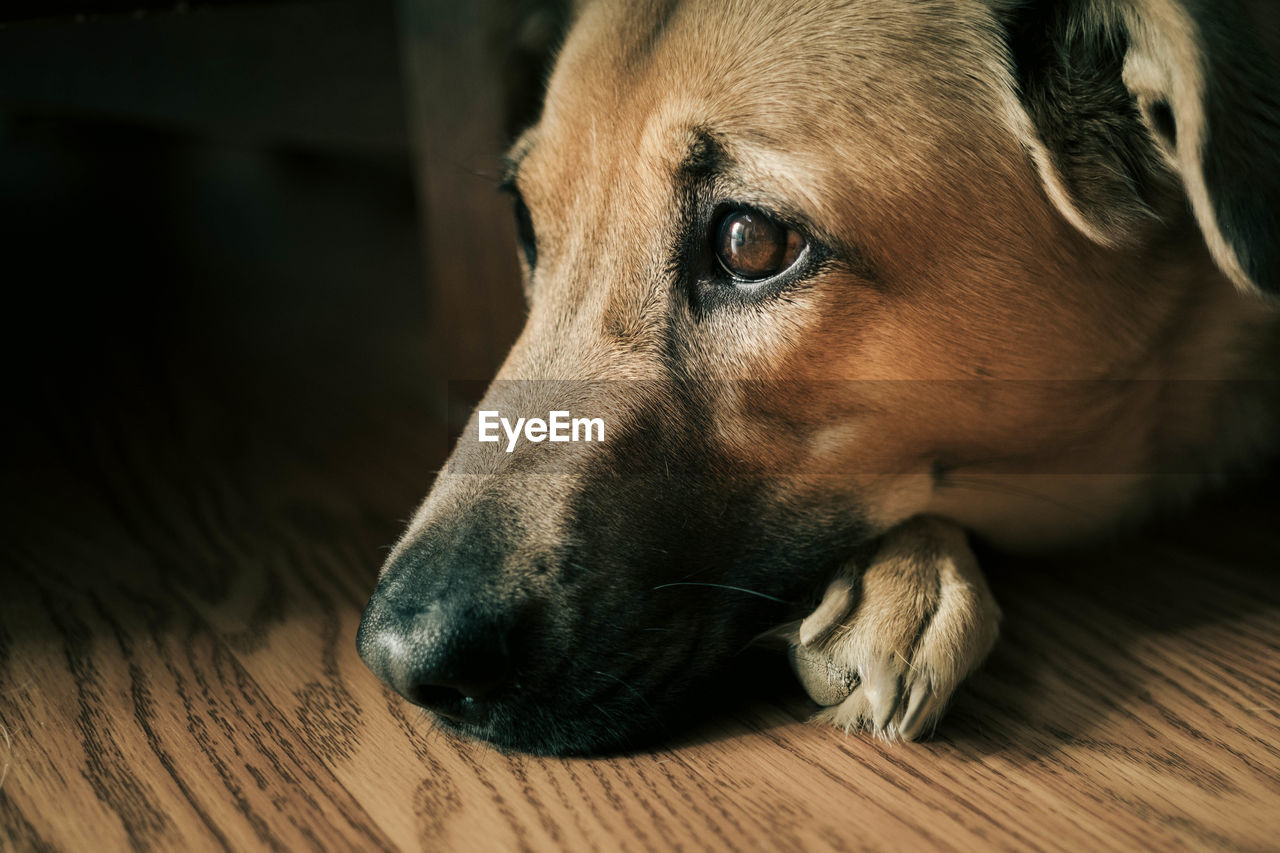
(751, 246)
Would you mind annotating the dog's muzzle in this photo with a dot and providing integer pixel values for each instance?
(556, 614)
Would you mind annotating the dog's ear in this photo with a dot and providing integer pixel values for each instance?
(1138, 106)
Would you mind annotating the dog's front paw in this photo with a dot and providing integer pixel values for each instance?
(887, 647)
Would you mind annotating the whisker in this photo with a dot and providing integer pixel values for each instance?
(638, 694)
(8, 755)
(997, 487)
(579, 567)
(724, 586)
(606, 713)
(779, 635)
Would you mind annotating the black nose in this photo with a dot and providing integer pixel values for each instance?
(443, 655)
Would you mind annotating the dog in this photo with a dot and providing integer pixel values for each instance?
(845, 283)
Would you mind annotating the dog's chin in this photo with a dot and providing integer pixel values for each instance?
(623, 720)
(536, 734)
(538, 730)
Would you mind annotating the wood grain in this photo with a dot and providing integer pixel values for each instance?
(177, 669)
(193, 520)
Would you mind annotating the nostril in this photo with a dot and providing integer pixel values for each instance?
(447, 656)
(471, 672)
(438, 697)
(441, 658)
(479, 689)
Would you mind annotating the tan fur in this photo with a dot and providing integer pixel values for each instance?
(999, 364)
(949, 310)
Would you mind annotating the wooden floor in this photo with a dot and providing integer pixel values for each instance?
(193, 522)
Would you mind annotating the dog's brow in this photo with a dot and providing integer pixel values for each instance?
(508, 171)
(704, 157)
(511, 161)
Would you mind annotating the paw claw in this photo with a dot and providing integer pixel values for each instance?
(880, 682)
(836, 603)
(921, 708)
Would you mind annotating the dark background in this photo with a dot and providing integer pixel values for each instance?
(216, 203)
(215, 220)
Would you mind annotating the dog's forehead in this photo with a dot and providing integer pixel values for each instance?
(788, 57)
(877, 123)
(855, 85)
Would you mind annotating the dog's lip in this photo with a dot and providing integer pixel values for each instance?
(448, 715)
(536, 727)
(478, 713)
(452, 721)
(461, 710)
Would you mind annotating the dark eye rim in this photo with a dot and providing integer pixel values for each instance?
(716, 233)
(717, 285)
(526, 235)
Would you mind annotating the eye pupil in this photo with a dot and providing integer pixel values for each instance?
(751, 246)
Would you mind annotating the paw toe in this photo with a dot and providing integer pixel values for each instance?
(823, 678)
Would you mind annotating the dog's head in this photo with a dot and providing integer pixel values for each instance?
(780, 251)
